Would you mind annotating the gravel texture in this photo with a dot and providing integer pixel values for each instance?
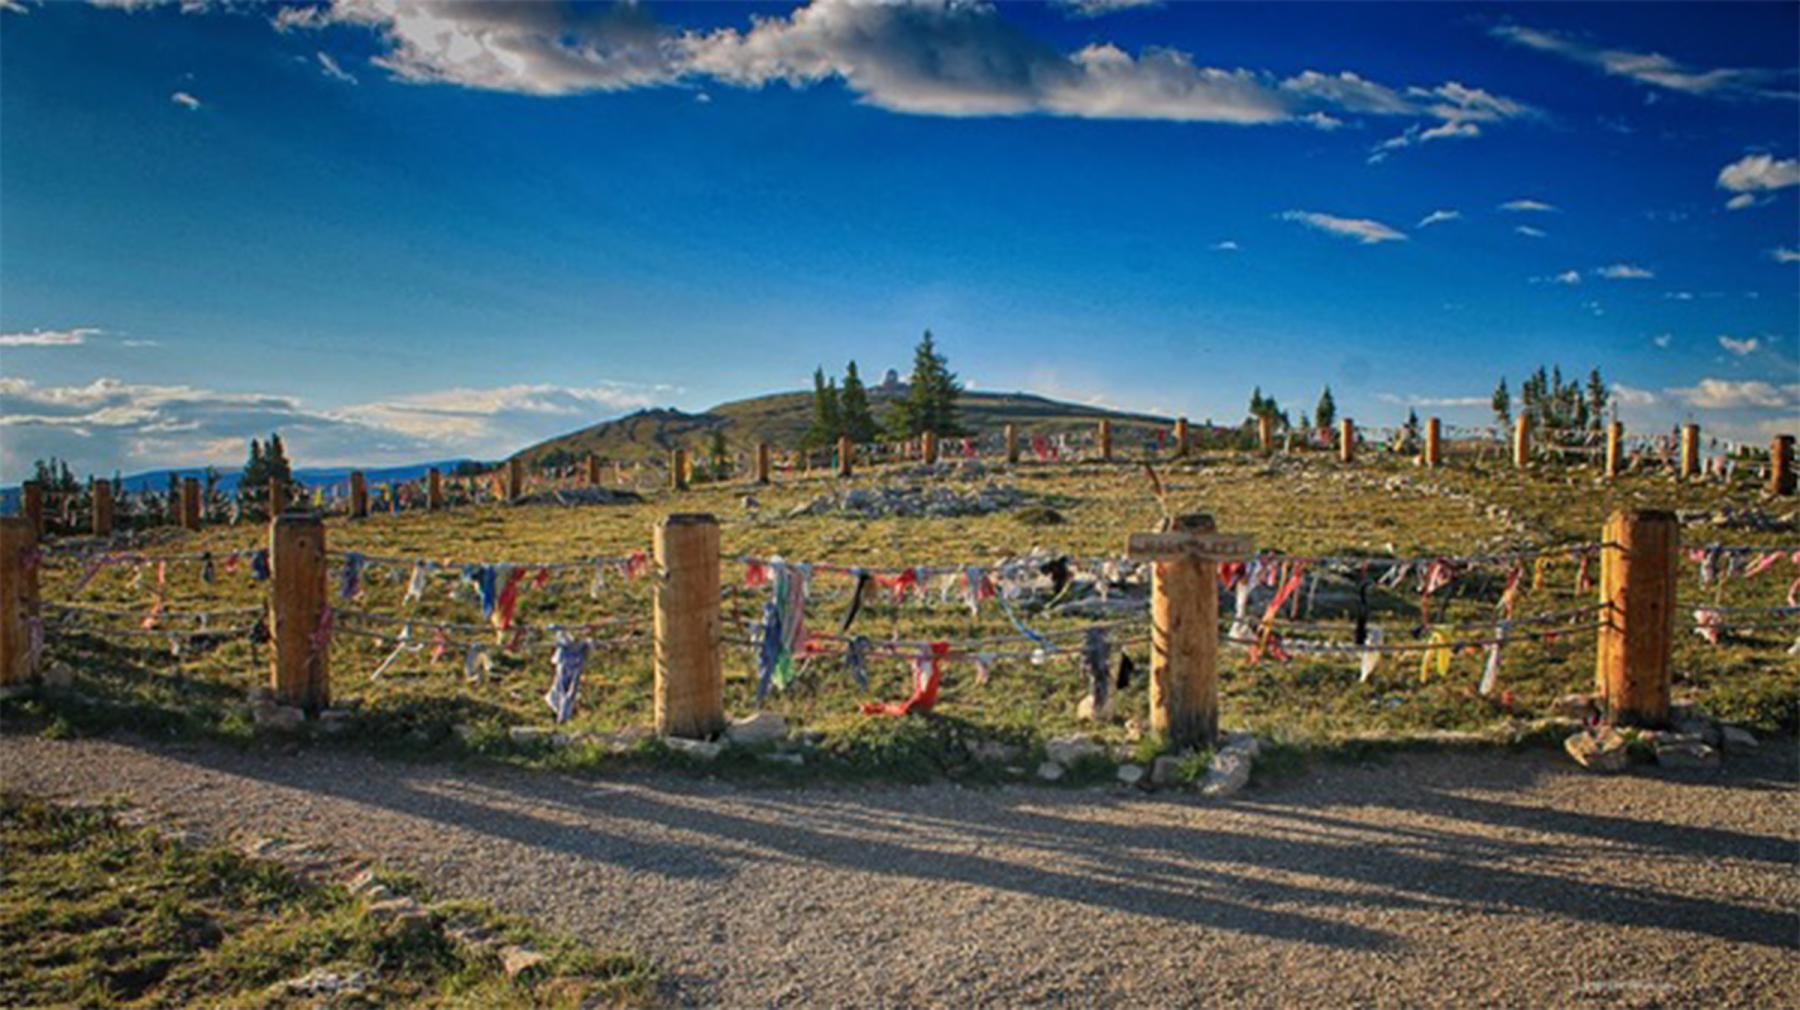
(1505, 879)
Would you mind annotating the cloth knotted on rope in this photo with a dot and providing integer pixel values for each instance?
(351, 585)
(856, 602)
(783, 628)
(571, 658)
(416, 582)
(401, 645)
(928, 674)
(259, 566)
(1096, 653)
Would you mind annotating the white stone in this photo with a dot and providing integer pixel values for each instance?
(1245, 742)
(1228, 772)
(702, 750)
(1738, 738)
(1130, 775)
(1067, 750)
(1686, 755)
(280, 717)
(1165, 770)
(1050, 771)
(761, 728)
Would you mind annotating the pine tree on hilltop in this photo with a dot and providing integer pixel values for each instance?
(853, 408)
(1502, 404)
(930, 403)
(827, 419)
(1326, 412)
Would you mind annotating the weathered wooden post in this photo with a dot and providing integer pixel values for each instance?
(1012, 443)
(31, 502)
(434, 489)
(300, 674)
(689, 695)
(1522, 442)
(18, 600)
(1184, 626)
(359, 495)
(1690, 451)
(190, 503)
(846, 453)
(1346, 441)
(678, 469)
(930, 443)
(1781, 465)
(1434, 451)
(103, 508)
(278, 496)
(1638, 554)
(1615, 449)
(1105, 438)
(593, 470)
(1265, 434)
(1181, 437)
(762, 462)
(515, 479)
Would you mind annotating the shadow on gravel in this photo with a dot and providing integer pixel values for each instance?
(1222, 867)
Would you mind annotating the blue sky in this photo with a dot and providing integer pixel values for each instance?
(403, 230)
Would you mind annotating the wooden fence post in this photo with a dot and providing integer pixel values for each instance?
(1522, 442)
(1346, 440)
(1265, 434)
(434, 489)
(593, 470)
(103, 508)
(846, 453)
(1638, 554)
(1615, 449)
(31, 502)
(1184, 645)
(1781, 465)
(359, 495)
(18, 600)
(278, 496)
(689, 691)
(1690, 451)
(190, 503)
(762, 462)
(1105, 437)
(1181, 437)
(678, 469)
(300, 672)
(515, 479)
(1434, 452)
(931, 447)
(1012, 443)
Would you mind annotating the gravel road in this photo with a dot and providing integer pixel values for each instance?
(1434, 880)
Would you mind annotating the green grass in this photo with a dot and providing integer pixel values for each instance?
(1305, 504)
(96, 914)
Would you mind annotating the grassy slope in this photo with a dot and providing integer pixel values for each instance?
(95, 914)
(1304, 506)
(781, 419)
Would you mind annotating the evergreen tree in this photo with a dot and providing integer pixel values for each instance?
(1412, 426)
(276, 456)
(930, 403)
(853, 408)
(720, 454)
(827, 419)
(1598, 398)
(1502, 404)
(1326, 412)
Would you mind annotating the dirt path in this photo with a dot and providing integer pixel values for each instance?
(1436, 880)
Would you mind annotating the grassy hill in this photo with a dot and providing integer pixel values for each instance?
(782, 418)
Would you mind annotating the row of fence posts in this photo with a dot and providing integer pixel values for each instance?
(1639, 555)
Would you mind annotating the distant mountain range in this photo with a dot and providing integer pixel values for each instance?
(781, 419)
(158, 480)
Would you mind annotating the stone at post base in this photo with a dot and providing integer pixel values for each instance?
(1228, 772)
(761, 728)
(1602, 750)
(1686, 754)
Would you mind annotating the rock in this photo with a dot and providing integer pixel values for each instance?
(1574, 706)
(1228, 772)
(1698, 725)
(1050, 771)
(518, 960)
(1245, 742)
(1686, 755)
(1068, 750)
(285, 718)
(1602, 751)
(699, 750)
(1737, 738)
(1130, 775)
(995, 752)
(404, 913)
(324, 982)
(528, 735)
(1165, 770)
(752, 731)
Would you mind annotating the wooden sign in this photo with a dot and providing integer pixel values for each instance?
(1178, 546)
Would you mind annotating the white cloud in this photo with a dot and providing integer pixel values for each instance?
(14, 7)
(1663, 339)
(72, 337)
(1364, 230)
(1439, 217)
(1530, 232)
(111, 424)
(1631, 396)
(1228, 245)
(1100, 8)
(1739, 347)
(1418, 400)
(1727, 394)
(1757, 173)
(329, 67)
(1567, 277)
(1679, 296)
(185, 100)
(1653, 69)
(1526, 204)
(1624, 272)
(1782, 254)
